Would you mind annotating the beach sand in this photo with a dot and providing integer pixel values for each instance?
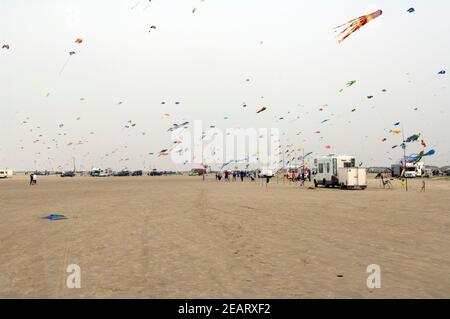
(180, 237)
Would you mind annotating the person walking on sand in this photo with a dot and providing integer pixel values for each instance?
(31, 179)
(423, 186)
(34, 179)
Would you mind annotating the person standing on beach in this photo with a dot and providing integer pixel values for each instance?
(423, 186)
(31, 179)
(34, 179)
(226, 176)
(242, 176)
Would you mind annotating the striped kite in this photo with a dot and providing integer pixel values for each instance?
(355, 24)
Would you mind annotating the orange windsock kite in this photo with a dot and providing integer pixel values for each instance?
(356, 24)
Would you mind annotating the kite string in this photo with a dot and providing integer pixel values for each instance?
(65, 64)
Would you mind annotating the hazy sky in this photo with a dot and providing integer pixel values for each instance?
(202, 60)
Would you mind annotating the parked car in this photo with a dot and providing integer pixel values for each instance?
(155, 173)
(68, 174)
(122, 173)
(137, 173)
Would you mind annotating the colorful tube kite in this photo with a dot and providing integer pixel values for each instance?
(356, 24)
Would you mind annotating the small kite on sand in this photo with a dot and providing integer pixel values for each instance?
(55, 217)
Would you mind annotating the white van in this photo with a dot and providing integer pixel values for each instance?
(99, 172)
(6, 173)
(339, 171)
(414, 170)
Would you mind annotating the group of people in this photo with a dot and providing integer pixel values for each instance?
(33, 179)
(305, 174)
(235, 175)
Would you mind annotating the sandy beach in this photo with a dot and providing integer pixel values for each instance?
(180, 237)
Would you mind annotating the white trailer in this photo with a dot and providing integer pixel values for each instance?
(414, 170)
(339, 171)
(99, 172)
(6, 173)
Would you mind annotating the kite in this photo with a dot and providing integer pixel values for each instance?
(397, 124)
(348, 84)
(430, 153)
(356, 24)
(152, 27)
(396, 131)
(328, 146)
(413, 138)
(326, 120)
(261, 110)
(370, 97)
(79, 41)
(384, 140)
(177, 126)
(442, 72)
(415, 158)
(55, 217)
(423, 143)
(411, 10)
(5, 46)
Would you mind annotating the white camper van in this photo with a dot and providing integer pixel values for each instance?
(6, 173)
(414, 170)
(339, 171)
(99, 172)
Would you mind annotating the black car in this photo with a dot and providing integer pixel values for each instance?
(68, 174)
(122, 173)
(137, 173)
(155, 173)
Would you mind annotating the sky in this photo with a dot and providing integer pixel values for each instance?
(278, 54)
